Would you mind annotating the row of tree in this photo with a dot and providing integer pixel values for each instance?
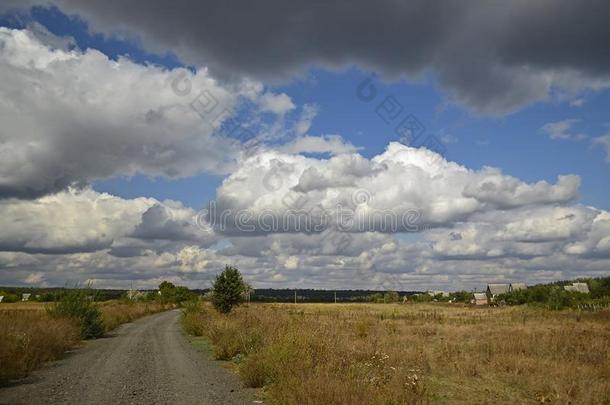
(394, 296)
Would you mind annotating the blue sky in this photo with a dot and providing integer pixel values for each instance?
(513, 142)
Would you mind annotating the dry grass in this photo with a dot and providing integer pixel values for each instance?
(380, 354)
(116, 313)
(29, 337)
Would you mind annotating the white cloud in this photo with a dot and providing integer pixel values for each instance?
(84, 221)
(523, 232)
(291, 263)
(332, 144)
(597, 240)
(70, 117)
(403, 181)
(562, 130)
(307, 115)
(604, 141)
(276, 103)
(34, 278)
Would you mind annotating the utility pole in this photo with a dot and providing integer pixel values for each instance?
(335, 297)
(295, 296)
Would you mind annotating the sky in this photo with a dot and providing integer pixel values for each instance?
(382, 146)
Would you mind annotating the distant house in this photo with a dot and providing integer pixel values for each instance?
(578, 287)
(518, 286)
(479, 299)
(25, 297)
(1, 298)
(493, 290)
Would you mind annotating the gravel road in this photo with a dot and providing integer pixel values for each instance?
(148, 361)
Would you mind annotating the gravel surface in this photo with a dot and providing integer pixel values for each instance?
(148, 361)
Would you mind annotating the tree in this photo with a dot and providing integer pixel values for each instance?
(166, 287)
(174, 294)
(228, 289)
(392, 296)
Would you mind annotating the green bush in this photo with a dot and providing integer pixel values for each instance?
(422, 297)
(229, 288)
(9, 297)
(78, 305)
(461, 296)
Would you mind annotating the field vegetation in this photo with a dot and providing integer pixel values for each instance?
(412, 353)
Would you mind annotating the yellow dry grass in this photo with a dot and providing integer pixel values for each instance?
(116, 313)
(416, 353)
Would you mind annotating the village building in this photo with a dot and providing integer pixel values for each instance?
(578, 287)
(25, 297)
(479, 299)
(493, 290)
(517, 286)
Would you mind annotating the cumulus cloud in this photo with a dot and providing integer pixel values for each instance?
(67, 222)
(86, 221)
(83, 235)
(172, 221)
(524, 232)
(71, 117)
(532, 244)
(400, 190)
(474, 50)
(597, 241)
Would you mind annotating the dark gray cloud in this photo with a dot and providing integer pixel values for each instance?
(491, 56)
(162, 222)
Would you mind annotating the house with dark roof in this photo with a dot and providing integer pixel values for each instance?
(493, 290)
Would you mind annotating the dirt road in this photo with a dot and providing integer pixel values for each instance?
(148, 361)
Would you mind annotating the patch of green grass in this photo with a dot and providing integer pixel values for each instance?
(203, 344)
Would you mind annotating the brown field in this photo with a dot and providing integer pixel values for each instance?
(29, 337)
(414, 353)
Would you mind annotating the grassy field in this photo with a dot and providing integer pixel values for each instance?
(29, 336)
(414, 353)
